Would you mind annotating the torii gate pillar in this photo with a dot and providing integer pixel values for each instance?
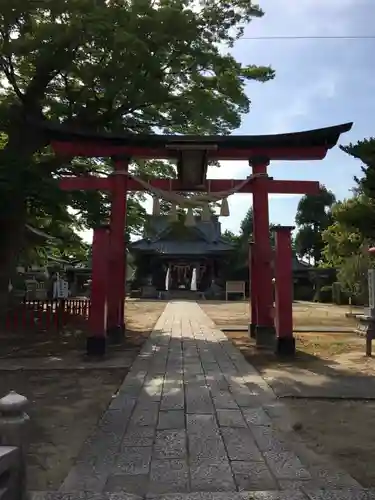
(253, 290)
(117, 251)
(285, 343)
(262, 288)
(96, 340)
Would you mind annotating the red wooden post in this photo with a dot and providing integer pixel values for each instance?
(96, 340)
(265, 329)
(117, 263)
(253, 284)
(285, 344)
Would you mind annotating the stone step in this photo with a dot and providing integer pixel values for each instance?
(183, 295)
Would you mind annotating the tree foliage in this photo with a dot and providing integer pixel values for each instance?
(354, 219)
(241, 242)
(230, 237)
(353, 226)
(365, 152)
(121, 65)
(312, 218)
(65, 244)
(353, 275)
(350, 230)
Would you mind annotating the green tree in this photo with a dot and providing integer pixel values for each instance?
(346, 242)
(312, 218)
(353, 220)
(352, 275)
(353, 226)
(247, 225)
(247, 231)
(65, 243)
(239, 260)
(359, 212)
(230, 237)
(121, 65)
(364, 151)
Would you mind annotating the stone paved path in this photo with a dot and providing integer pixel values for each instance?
(194, 421)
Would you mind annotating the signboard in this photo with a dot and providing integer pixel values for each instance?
(235, 287)
(60, 289)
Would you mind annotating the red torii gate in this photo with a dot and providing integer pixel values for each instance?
(193, 153)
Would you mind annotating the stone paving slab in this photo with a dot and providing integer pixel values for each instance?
(194, 421)
(353, 494)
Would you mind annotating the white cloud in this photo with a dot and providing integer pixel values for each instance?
(303, 102)
(308, 17)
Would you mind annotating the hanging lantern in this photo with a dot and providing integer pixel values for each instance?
(224, 209)
(206, 213)
(173, 213)
(155, 206)
(190, 221)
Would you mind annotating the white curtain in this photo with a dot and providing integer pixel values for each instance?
(193, 285)
(167, 280)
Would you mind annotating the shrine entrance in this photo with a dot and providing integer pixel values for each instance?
(184, 275)
(272, 326)
(180, 275)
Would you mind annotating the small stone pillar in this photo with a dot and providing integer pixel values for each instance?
(14, 432)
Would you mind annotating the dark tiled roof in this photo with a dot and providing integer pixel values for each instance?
(173, 247)
(202, 239)
(160, 226)
(298, 265)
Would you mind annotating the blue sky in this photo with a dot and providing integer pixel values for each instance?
(318, 83)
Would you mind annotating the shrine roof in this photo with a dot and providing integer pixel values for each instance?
(225, 147)
(299, 265)
(160, 226)
(174, 247)
(166, 238)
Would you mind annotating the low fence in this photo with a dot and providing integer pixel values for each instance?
(45, 315)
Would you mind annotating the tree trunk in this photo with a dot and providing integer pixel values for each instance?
(15, 159)
(12, 227)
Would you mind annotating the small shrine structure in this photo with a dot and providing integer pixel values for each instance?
(169, 253)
